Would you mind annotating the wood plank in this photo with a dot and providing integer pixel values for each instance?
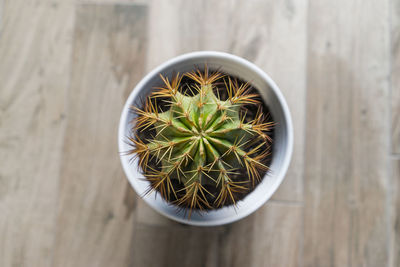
(268, 42)
(96, 204)
(347, 142)
(1, 15)
(178, 245)
(247, 243)
(270, 237)
(395, 214)
(274, 242)
(35, 44)
(395, 74)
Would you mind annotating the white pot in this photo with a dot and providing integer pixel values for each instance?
(283, 135)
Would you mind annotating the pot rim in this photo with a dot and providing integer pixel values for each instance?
(245, 63)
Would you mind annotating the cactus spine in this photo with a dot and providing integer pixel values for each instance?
(201, 142)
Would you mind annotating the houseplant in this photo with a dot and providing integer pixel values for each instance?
(223, 211)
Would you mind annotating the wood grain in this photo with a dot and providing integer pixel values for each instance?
(112, 2)
(270, 237)
(267, 238)
(35, 42)
(395, 74)
(96, 205)
(347, 142)
(177, 245)
(395, 213)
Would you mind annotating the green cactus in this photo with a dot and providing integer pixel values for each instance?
(202, 143)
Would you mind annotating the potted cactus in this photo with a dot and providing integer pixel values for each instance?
(206, 138)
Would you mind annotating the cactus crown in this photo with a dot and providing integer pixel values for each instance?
(203, 152)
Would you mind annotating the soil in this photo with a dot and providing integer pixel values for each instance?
(249, 110)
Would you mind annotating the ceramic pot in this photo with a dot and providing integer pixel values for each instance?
(283, 135)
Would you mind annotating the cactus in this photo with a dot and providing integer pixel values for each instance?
(205, 152)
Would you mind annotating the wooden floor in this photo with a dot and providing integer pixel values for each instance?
(67, 67)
